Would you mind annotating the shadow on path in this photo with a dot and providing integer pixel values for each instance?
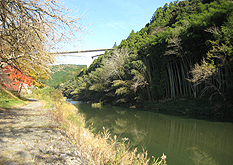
(29, 135)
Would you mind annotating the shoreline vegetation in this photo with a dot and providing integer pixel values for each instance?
(200, 107)
(97, 148)
(179, 62)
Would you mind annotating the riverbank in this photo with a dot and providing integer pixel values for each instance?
(201, 108)
(94, 148)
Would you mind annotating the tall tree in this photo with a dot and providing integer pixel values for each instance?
(29, 29)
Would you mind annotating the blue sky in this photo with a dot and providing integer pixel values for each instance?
(111, 21)
(77, 58)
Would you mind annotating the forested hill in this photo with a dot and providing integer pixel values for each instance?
(63, 73)
(184, 51)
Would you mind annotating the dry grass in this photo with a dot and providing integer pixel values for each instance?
(97, 148)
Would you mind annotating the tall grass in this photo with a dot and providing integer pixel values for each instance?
(96, 148)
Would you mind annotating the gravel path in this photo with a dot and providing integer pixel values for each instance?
(29, 136)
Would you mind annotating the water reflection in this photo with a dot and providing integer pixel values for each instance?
(183, 140)
(200, 157)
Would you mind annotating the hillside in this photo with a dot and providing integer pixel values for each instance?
(62, 73)
(184, 52)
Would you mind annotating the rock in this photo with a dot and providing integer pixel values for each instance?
(12, 163)
(34, 152)
(41, 163)
(63, 155)
(43, 151)
(26, 155)
(4, 140)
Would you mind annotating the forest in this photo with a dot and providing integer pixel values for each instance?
(183, 53)
(62, 73)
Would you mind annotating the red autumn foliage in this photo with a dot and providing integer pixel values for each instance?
(17, 79)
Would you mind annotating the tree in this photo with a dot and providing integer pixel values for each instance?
(115, 45)
(213, 70)
(16, 80)
(159, 57)
(29, 29)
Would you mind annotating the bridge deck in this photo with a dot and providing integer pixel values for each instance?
(81, 51)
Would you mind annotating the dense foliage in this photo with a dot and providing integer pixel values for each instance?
(63, 73)
(184, 51)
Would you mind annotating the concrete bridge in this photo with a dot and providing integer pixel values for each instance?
(79, 52)
(79, 57)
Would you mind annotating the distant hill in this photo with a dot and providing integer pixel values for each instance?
(62, 73)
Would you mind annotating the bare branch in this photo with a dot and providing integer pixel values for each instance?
(29, 29)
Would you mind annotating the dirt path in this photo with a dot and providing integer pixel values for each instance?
(29, 136)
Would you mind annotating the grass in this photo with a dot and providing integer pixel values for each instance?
(97, 148)
(9, 100)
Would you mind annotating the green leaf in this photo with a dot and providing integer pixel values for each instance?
(118, 83)
(122, 91)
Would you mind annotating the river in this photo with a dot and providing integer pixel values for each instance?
(184, 140)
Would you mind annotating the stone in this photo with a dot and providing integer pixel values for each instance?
(4, 140)
(33, 152)
(43, 151)
(26, 155)
(41, 163)
(12, 163)
(62, 155)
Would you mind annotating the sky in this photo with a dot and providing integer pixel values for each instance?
(84, 58)
(110, 21)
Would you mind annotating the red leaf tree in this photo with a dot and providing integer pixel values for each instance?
(13, 78)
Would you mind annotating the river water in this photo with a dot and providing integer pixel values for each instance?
(184, 140)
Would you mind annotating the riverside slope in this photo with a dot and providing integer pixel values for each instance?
(29, 136)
